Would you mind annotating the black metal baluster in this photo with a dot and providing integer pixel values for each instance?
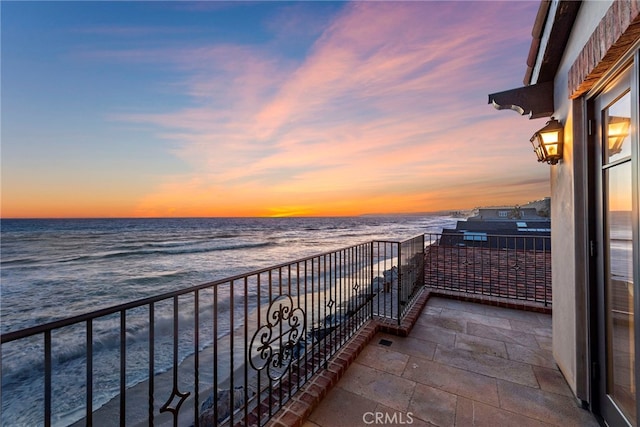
(123, 367)
(352, 288)
(314, 346)
(89, 380)
(494, 266)
(268, 320)
(371, 276)
(232, 401)
(259, 317)
(47, 378)
(384, 284)
(532, 269)
(348, 284)
(459, 249)
(399, 280)
(338, 284)
(246, 349)
(306, 311)
(280, 326)
(215, 352)
(302, 345)
(547, 269)
(382, 264)
(483, 255)
(196, 356)
(327, 284)
(175, 392)
(151, 360)
(293, 350)
(514, 268)
(322, 318)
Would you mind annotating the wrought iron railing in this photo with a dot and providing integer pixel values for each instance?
(231, 351)
(506, 266)
(235, 350)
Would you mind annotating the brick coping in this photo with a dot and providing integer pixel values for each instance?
(296, 411)
(523, 305)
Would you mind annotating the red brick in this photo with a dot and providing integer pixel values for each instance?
(290, 419)
(337, 369)
(298, 407)
(323, 381)
(613, 36)
(314, 390)
(309, 399)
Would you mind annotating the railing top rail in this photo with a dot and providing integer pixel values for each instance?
(38, 329)
(525, 234)
(413, 238)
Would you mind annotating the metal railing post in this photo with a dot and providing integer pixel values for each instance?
(400, 281)
(371, 293)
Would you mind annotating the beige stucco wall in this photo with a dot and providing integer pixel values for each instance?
(569, 311)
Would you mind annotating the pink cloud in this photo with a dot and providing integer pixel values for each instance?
(391, 98)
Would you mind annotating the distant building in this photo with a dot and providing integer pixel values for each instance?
(505, 213)
(501, 227)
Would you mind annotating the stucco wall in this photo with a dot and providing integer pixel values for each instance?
(568, 310)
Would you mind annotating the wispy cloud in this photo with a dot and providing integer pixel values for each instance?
(129, 31)
(388, 106)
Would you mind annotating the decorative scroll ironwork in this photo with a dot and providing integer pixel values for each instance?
(273, 345)
(175, 394)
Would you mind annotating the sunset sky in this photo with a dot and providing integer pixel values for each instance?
(154, 109)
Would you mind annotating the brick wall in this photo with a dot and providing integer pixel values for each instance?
(615, 34)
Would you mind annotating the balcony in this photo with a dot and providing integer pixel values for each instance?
(395, 326)
(462, 364)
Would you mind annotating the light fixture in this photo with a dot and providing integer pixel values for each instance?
(547, 142)
(617, 131)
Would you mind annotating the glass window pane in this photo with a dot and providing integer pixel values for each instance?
(618, 119)
(619, 284)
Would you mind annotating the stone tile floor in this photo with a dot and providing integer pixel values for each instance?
(463, 364)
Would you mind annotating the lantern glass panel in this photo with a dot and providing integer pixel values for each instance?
(549, 137)
(552, 149)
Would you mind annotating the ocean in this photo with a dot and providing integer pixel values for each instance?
(53, 269)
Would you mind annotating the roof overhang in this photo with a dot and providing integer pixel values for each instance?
(550, 33)
(548, 44)
(534, 100)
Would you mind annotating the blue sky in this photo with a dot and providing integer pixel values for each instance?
(262, 108)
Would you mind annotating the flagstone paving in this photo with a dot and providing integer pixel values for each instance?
(463, 364)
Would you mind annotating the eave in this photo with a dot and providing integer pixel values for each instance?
(537, 100)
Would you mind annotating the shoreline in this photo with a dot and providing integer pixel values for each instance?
(137, 396)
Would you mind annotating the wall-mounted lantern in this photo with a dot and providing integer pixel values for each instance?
(548, 141)
(617, 131)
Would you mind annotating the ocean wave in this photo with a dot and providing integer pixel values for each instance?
(23, 361)
(164, 251)
(18, 261)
